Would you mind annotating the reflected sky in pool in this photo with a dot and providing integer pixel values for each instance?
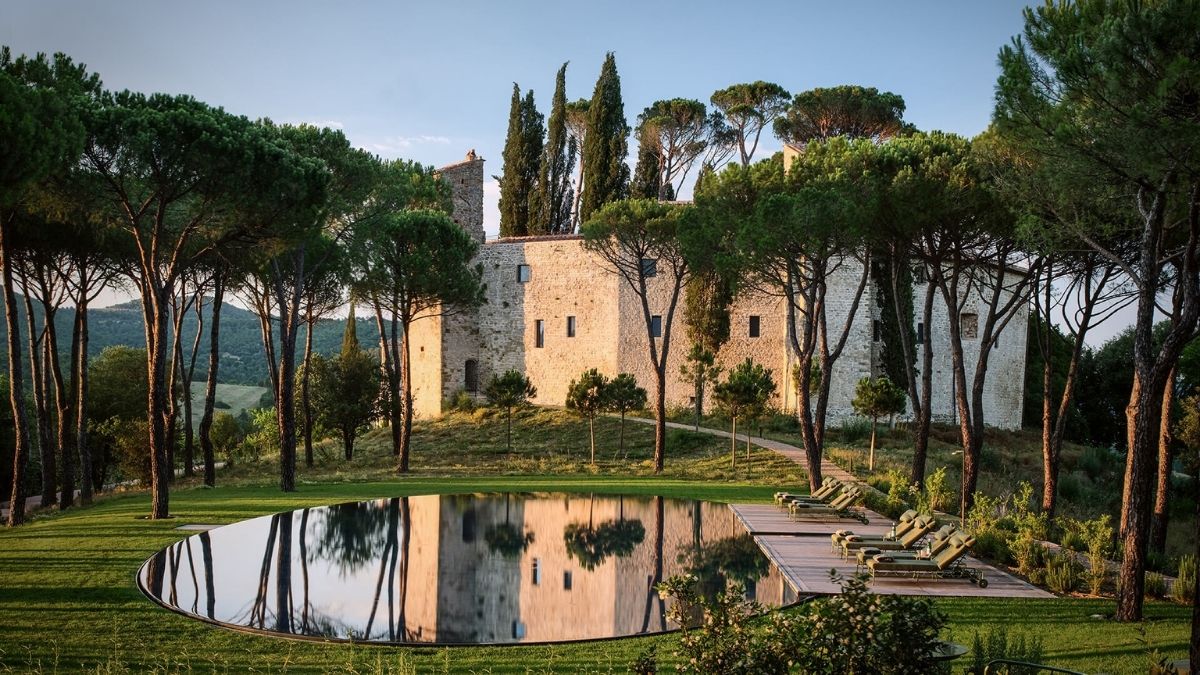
(460, 569)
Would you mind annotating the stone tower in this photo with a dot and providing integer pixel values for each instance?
(445, 357)
(466, 182)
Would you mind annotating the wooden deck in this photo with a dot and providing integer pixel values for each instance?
(801, 550)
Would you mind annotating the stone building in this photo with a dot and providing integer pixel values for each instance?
(553, 311)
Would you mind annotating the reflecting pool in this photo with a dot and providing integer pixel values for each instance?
(460, 569)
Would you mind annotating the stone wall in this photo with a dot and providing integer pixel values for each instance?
(565, 281)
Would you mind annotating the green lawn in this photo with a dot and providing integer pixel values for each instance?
(68, 600)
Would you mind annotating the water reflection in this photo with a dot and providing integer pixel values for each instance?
(477, 569)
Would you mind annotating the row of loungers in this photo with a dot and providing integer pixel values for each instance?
(913, 549)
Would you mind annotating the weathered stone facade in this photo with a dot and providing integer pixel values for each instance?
(537, 285)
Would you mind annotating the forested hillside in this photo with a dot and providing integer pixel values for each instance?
(242, 360)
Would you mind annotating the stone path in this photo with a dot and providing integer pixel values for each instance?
(793, 453)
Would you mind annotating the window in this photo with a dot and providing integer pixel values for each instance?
(540, 328)
(471, 376)
(754, 326)
(649, 267)
(876, 330)
(570, 326)
(656, 326)
(468, 526)
(518, 630)
(567, 581)
(536, 577)
(920, 332)
(968, 325)
(524, 274)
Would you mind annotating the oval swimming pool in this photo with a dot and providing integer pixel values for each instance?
(509, 568)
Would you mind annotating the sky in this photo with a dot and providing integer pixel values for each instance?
(429, 81)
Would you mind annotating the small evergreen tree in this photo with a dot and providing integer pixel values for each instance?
(875, 398)
(587, 396)
(509, 390)
(747, 389)
(624, 395)
(606, 175)
(345, 389)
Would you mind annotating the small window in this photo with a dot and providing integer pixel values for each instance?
(567, 580)
(540, 328)
(471, 376)
(968, 325)
(649, 267)
(518, 630)
(468, 526)
(524, 274)
(536, 577)
(656, 326)
(570, 326)
(876, 330)
(754, 326)
(920, 332)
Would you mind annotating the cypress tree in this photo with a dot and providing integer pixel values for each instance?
(350, 336)
(891, 357)
(522, 152)
(513, 201)
(551, 209)
(606, 176)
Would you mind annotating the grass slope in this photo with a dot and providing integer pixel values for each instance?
(68, 601)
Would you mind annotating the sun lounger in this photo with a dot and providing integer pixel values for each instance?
(934, 545)
(948, 564)
(830, 487)
(838, 508)
(903, 525)
(921, 526)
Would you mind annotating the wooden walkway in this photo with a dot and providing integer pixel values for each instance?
(801, 551)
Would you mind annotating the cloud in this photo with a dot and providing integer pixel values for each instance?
(393, 144)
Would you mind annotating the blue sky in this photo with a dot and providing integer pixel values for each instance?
(428, 81)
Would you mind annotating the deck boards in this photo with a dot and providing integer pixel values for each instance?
(802, 552)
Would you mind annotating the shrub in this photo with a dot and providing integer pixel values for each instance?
(1070, 488)
(1095, 462)
(855, 631)
(1156, 585)
(995, 644)
(1097, 537)
(461, 401)
(1063, 573)
(1185, 584)
(992, 544)
(936, 494)
(855, 429)
(1031, 528)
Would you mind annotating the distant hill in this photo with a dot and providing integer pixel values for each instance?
(242, 358)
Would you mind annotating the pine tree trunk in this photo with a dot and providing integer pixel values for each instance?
(592, 436)
(699, 401)
(621, 435)
(407, 410)
(1142, 418)
(16, 380)
(305, 401)
(1158, 522)
(155, 307)
(79, 375)
(348, 443)
(173, 395)
(733, 443)
(871, 457)
(660, 416)
(210, 388)
(45, 452)
(1049, 456)
(62, 404)
(1194, 647)
(189, 374)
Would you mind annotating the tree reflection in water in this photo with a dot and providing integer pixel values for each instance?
(507, 539)
(592, 544)
(351, 535)
(732, 559)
